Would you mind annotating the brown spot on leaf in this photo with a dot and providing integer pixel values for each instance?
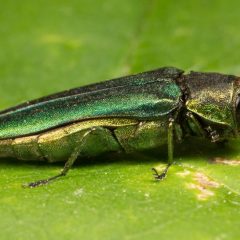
(203, 185)
(203, 192)
(219, 160)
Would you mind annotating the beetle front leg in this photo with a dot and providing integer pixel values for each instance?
(160, 176)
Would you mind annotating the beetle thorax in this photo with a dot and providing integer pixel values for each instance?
(211, 100)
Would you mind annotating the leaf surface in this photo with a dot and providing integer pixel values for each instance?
(50, 46)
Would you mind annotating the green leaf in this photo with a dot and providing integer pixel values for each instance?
(48, 46)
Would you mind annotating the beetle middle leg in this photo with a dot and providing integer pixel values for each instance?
(163, 174)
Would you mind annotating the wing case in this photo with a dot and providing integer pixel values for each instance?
(143, 96)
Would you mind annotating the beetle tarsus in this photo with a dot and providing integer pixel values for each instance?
(42, 182)
(161, 176)
(158, 176)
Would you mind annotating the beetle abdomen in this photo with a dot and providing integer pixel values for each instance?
(106, 135)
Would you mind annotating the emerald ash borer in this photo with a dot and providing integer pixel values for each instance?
(127, 114)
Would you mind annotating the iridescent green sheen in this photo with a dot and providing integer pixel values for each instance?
(144, 97)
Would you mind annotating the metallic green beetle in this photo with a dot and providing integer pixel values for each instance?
(127, 114)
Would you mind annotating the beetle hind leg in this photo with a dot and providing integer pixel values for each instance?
(73, 157)
(64, 171)
(104, 142)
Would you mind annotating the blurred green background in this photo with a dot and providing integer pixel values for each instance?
(49, 46)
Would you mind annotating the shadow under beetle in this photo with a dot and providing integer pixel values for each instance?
(127, 114)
